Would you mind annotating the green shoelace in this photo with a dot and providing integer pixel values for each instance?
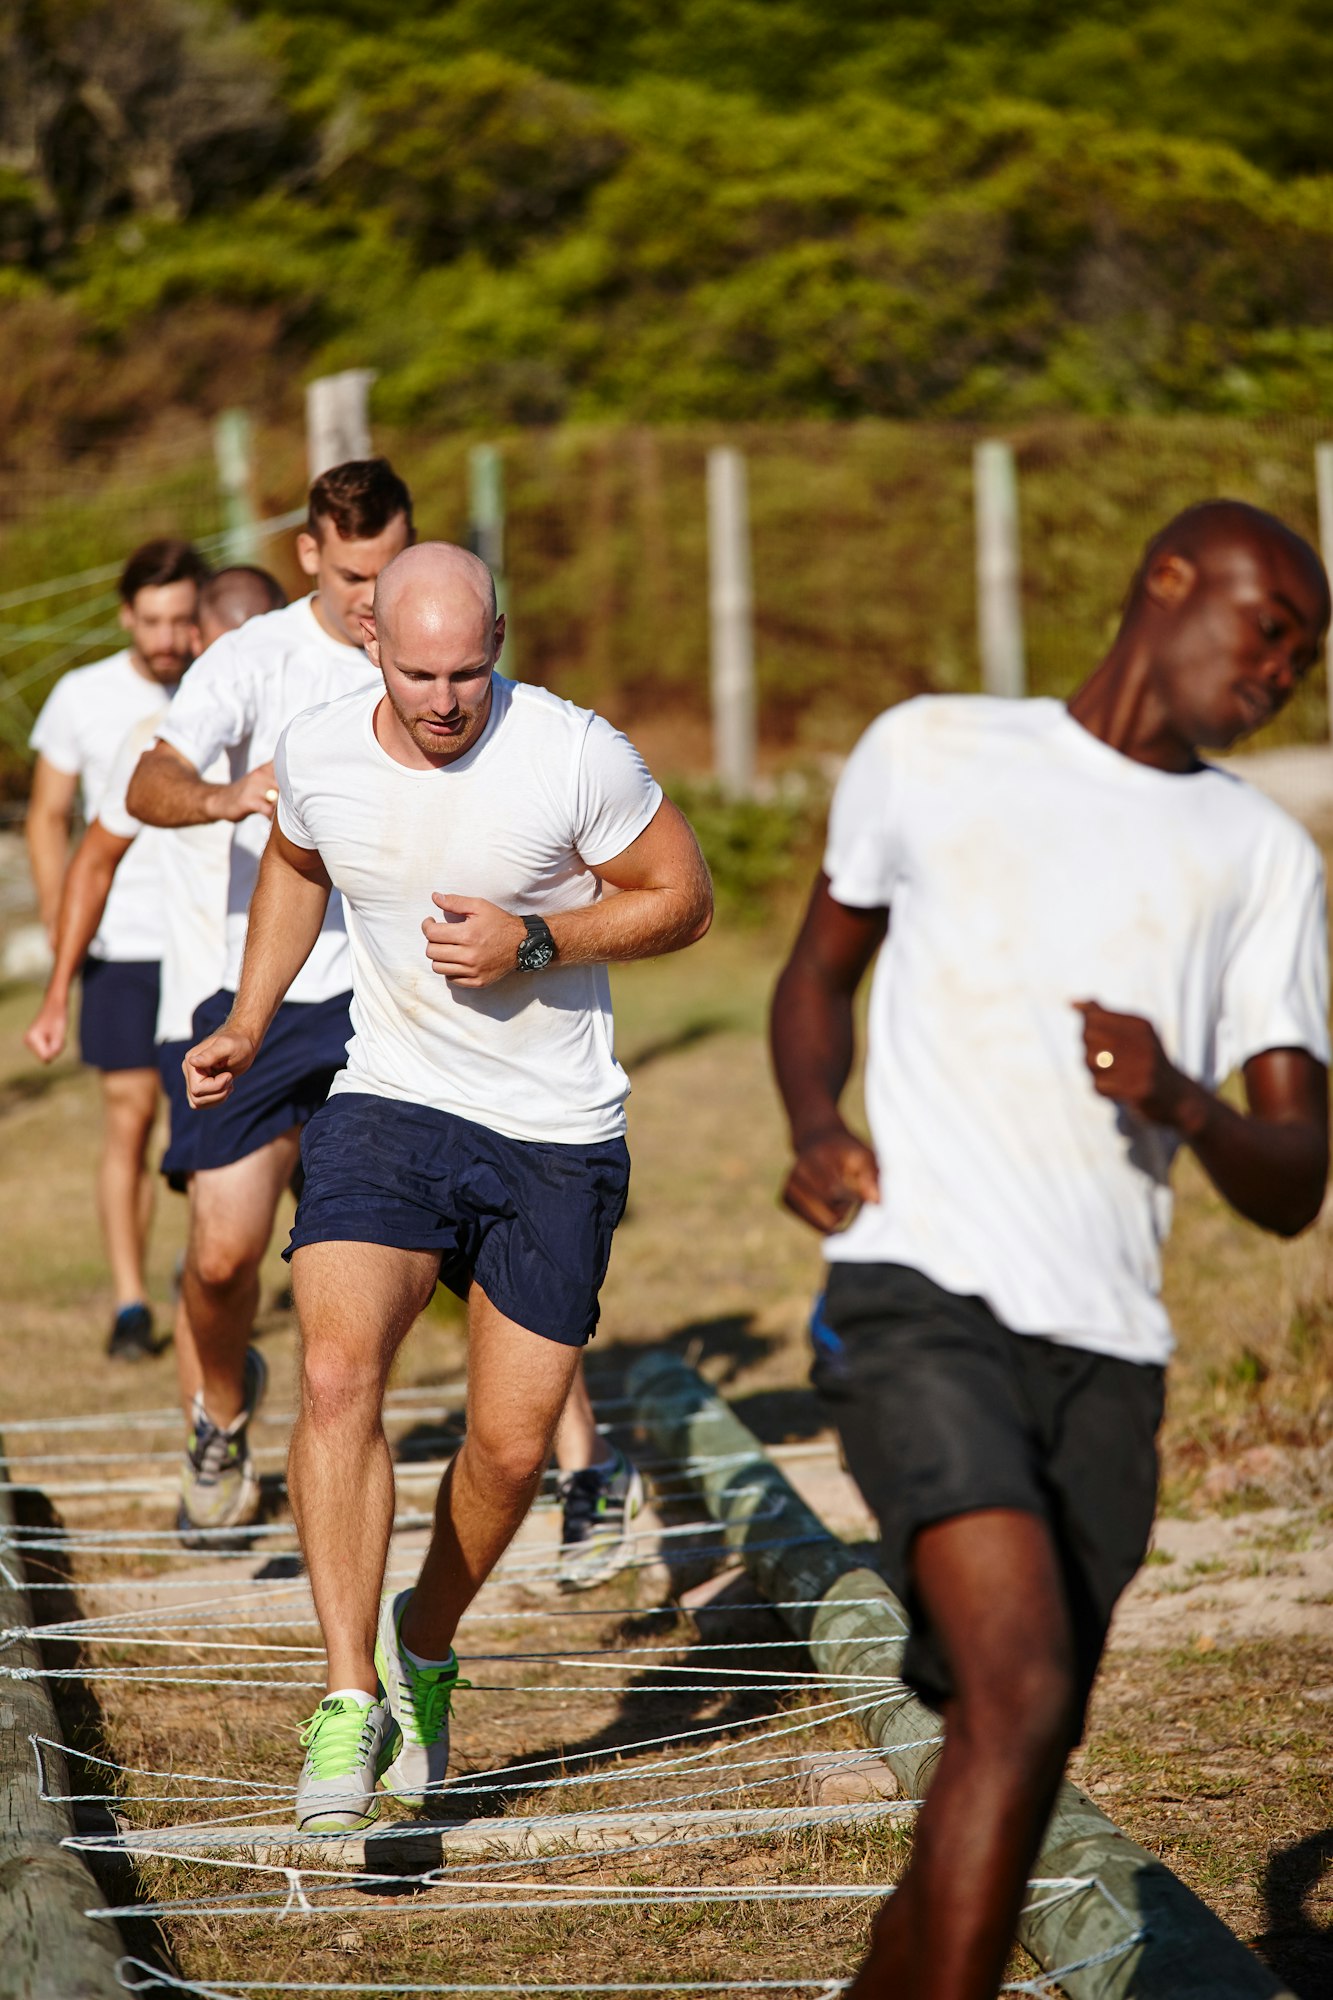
(334, 1737)
(430, 1693)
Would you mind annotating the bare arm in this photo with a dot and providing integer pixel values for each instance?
(813, 1042)
(664, 901)
(1270, 1162)
(87, 886)
(166, 790)
(50, 813)
(286, 912)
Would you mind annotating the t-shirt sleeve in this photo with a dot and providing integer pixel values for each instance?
(55, 733)
(111, 806)
(214, 709)
(616, 795)
(1275, 987)
(288, 811)
(861, 854)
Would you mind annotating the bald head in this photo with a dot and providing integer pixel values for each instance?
(431, 588)
(1211, 535)
(235, 595)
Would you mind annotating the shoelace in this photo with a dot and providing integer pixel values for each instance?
(585, 1495)
(337, 1736)
(210, 1446)
(430, 1692)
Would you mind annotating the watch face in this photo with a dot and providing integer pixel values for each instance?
(535, 954)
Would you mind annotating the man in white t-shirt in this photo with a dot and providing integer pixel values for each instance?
(477, 1132)
(235, 704)
(83, 720)
(191, 866)
(1088, 929)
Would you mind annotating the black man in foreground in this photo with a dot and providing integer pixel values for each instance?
(477, 1132)
(1088, 929)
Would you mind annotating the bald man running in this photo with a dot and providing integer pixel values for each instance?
(1090, 929)
(477, 1133)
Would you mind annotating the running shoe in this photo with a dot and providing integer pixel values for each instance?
(599, 1504)
(420, 1700)
(131, 1336)
(347, 1747)
(219, 1484)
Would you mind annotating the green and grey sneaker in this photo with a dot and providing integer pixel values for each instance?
(347, 1747)
(420, 1699)
(599, 1504)
(219, 1484)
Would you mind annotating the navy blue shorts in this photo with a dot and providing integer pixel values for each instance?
(532, 1223)
(118, 1012)
(289, 1080)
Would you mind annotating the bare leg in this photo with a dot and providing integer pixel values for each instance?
(578, 1442)
(231, 1219)
(355, 1302)
(189, 1375)
(517, 1386)
(124, 1187)
(992, 1586)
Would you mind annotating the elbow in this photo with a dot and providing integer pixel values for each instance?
(701, 921)
(1297, 1217)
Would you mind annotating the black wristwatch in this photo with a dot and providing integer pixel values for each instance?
(538, 947)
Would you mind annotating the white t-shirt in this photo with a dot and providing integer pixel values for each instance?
(546, 794)
(192, 865)
(82, 723)
(1027, 865)
(238, 698)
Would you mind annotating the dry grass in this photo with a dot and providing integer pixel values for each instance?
(1214, 1759)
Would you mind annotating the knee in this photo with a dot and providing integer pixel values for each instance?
(514, 1463)
(1024, 1714)
(336, 1385)
(219, 1263)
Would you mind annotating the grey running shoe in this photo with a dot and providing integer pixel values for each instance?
(131, 1336)
(420, 1700)
(347, 1747)
(599, 1504)
(219, 1484)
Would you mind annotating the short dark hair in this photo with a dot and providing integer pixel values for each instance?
(242, 590)
(360, 498)
(167, 560)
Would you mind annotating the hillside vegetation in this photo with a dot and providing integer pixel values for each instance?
(532, 211)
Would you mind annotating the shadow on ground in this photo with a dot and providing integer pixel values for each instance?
(1298, 1950)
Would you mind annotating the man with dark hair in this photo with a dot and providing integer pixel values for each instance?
(191, 867)
(1088, 928)
(236, 703)
(84, 719)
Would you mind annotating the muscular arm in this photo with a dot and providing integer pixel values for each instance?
(664, 901)
(1269, 1161)
(87, 886)
(50, 813)
(286, 912)
(813, 1041)
(166, 790)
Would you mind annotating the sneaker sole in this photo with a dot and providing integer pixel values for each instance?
(349, 1823)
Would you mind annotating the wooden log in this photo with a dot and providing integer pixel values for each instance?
(854, 1624)
(49, 1949)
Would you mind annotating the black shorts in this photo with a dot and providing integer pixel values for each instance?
(943, 1411)
(532, 1223)
(118, 1012)
(304, 1049)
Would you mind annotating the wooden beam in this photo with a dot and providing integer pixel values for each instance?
(854, 1624)
(49, 1949)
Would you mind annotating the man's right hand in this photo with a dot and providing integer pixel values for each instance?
(46, 1036)
(256, 792)
(834, 1173)
(212, 1066)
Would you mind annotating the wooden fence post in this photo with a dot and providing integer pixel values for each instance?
(232, 449)
(999, 587)
(731, 622)
(337, 418)
(486, 520)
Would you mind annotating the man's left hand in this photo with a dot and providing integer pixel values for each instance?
(1128, 1064)
(472, 943)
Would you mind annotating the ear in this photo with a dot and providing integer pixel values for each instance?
(499, 638)
(126, 617)
(1170, 581)
(307, 552)
(369, 639)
